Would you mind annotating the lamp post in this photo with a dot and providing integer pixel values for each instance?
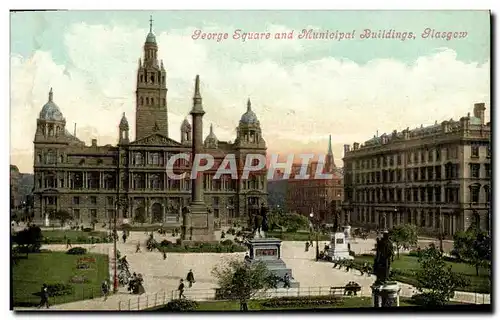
(115, 267)
(317, 239)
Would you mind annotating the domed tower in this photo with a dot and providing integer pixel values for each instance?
(211, 140)
(249, 133)
(50, 123)
(151, 93)
(124, 130)
(186, 132)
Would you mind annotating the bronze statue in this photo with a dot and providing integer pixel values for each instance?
(336, 221)
(383, 258)
(263, 213)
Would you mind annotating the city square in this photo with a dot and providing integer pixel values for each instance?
(156, 221)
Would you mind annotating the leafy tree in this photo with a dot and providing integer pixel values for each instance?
(29, 239)
(241, 281)
(474, 247)
(61, 215)
(140, 217)
(291, 222)
(436, 279)
(404, 236)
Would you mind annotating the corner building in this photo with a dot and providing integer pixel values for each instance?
(93, 182)
(436, 177)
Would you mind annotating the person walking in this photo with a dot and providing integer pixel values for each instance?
(44, 296)
(138, 247)
(190, 278)
(105, 289)
(124, 237)
(286, 280)
(68, 243)
(164, 255)
(181, 290)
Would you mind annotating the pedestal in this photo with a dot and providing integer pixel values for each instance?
(268, 251)
(200, 225)
(338, 248)
(385, 295)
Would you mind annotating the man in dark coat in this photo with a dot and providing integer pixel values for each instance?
(44, 296)
(181, 290)
(190, 278)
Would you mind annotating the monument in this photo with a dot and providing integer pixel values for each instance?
(385, 293)
(197, 220)
(268, 250)
(339, 248)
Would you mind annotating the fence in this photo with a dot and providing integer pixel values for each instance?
(161, 298)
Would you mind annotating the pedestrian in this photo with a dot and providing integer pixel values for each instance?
(286, 280)
(138, 247)
(68, 243)
(190, 278)
(44, 296)
(164, 255)
(105, 289)
(307, 246)
(124, 237)
(181, 290)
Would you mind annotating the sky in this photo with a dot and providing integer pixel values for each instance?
(301, 90)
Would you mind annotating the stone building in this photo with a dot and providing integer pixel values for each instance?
(436, 177)
(93, 181)
(15, 195)
(320, 196)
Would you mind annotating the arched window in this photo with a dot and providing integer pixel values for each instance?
(152, 101)
(39, 158)
(138, 158)
(147, 100)
(61, 158)
(51, 130)
(51, 157)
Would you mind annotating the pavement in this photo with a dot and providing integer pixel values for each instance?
(161, 277)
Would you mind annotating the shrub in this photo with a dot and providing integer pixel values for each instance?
(231, 231)
(181, 305)
(414, 253)
(165, 243)
(352, 253)
(87, 229)
(428, 299)
(77, 250)
(59, 289)
(226, 242)
(287, 302)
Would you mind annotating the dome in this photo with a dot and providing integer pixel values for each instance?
(151, 38)
(124, 122)
(249, 117)
(50, 110)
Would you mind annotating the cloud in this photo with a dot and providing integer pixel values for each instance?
(298, 103)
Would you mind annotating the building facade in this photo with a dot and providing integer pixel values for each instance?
(436, 177)
(15, 195)
(322, 197)
(93, 182)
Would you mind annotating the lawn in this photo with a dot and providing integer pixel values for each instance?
(75, 236)
(29, 274)
(297, 236)
(406, 263)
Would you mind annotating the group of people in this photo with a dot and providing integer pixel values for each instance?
(190, 280)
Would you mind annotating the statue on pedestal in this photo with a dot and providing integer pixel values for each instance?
(263, 213)
(336, 221)
(383, 258)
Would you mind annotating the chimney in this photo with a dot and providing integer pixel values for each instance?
(356, 145)
(346, 148)
(94, 142)
(479, 111)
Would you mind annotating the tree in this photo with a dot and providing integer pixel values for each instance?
(404, 236)
(241, 281)
(29, 239)
(436, 279)
(61, 215)
(140, 217)
(474, 247)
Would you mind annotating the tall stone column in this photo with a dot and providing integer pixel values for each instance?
(198, 221)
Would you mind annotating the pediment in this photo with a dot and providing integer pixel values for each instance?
(156, 140)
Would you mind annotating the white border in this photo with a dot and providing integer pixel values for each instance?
(185, 4)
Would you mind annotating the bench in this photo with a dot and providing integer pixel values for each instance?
(337, 291)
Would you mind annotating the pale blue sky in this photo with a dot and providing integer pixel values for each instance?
(301, 90)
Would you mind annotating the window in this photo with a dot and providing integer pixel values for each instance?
(76, 214)
(438, 155)
(93, 200)
(487, 194)
(39, 158)
(474, 194)
(431, 155)
(474, 170)
(61, 183)
(93, 213)
(422, 156)
(474, 151)
(488, 151)
(61, 159)
(76, 200)
(487, 169)
(216, 213)
(109, 201)
(110, 214)
(415, 157)
(399, 159)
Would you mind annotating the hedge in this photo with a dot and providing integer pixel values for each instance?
(284, 302)
(77, 250)
(203, 247)
(181, 305)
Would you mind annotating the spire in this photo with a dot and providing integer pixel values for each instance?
(197, 105)
(51, 95)
(249, 105)
(150, 24)
(330, 145)
(211, 128)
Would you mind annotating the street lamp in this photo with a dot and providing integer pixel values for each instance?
(115, 267)
(317, 239)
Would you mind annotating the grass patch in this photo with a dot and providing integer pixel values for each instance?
(29, 274)
(406, 265)
(346, 302)
(297, 236)
(223, 247)
(75, 236)
(148, 227)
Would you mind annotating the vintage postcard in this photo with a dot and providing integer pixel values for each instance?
(250, 160)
